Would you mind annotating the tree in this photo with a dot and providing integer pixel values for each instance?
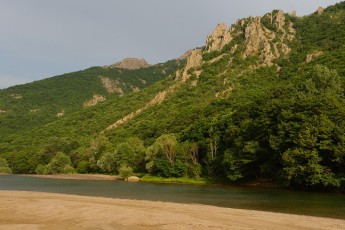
(83, 167)
(107, 163)
(4, 168)
(163, 157)
(125, 171)
(167, 145)
(60, 163)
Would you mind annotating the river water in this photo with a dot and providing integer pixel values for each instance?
(275, 200)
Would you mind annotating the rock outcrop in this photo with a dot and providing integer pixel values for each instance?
(265, 42)
(112, 86)
(218, 39)
(319, 10)
(194, 60)
(94, 100)
(130, 63)
(133, 179)
(293, 14)
(256, 41)
(61, 114)
(312, 56)
(185, 55)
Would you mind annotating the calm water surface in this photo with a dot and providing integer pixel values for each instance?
(316, 204)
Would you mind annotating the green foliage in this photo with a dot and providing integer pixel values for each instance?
(107, 163)
(4, 168)
(300, 120)
(150, 178)
(83, 167)
(238, 120)
(125, 171)
(60, 163)
(35, 104)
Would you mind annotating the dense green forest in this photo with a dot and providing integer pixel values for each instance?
(38, 103)
(268, 104)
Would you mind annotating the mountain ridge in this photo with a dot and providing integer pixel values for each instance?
(254, 102)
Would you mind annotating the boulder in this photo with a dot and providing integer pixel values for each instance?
(133, 179)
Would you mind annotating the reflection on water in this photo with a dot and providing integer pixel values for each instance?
(317, 204)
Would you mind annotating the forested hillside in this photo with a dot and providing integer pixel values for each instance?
(34, 104)
(262, 99)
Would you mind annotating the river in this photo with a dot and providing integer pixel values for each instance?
(275, 200)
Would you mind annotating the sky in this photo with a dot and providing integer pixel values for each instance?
(44, 38)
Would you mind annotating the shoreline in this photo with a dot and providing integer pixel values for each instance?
(151, 179)
(74, 176)
(39, 210)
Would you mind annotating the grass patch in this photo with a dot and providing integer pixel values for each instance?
(184, 180)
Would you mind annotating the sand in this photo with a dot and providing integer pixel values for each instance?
(37, 210)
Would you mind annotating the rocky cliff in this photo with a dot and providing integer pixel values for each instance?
(265, 38)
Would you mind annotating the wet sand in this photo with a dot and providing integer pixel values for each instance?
(36, 210)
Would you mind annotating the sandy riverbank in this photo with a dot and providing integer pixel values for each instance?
(36, 210)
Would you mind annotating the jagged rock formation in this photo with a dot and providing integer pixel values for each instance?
(266, 42)
(94, 100)
(112, 86)
(194, 60)
(312, 56)
(185, 55)
(218, 39)
(267, 37)
(130, 63)
(293, 14)
(319, 10)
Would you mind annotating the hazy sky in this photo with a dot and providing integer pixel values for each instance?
(43, 38)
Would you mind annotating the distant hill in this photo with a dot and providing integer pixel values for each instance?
(34, 104)
(263, 99)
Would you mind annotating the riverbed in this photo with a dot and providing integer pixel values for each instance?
(39, 211)
(272, 200)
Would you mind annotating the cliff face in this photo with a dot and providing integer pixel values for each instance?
(267, 38)
(130, 63)
(218, 39)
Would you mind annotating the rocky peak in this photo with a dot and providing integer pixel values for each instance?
(293, 14)
(279, 20)
(194, 60)
(253, 34)
(218, 38)
(185, 55)
(266, 37)
(130, 63)
(261, 37)
(319, 10)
